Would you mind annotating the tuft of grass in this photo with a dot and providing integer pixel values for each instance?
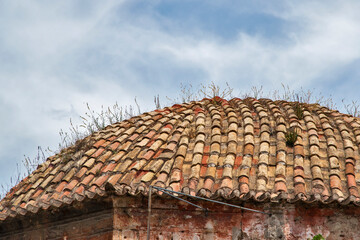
(352, 108)
(93, 121)
(27, 166)
(299, 112)
(156, 102)
(72, 141)
(255, 92)
(212, 91)
(291, 137)
(248, 102)
(65, 157)
(289, 95)
(216, 101)
(188, 93)
(14, 180)
(191, 132)
(31, 164)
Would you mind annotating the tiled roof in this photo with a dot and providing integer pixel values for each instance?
(214, 148)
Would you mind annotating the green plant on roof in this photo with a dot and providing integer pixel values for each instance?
(299, 112)
(215, 93)
(92, 121)
(216, 101)
(318, 237)
(291, 136)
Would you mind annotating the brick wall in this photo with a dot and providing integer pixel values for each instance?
(126, 218)
(171, 219)
(88, 220)
(177, 220)
(90, 226)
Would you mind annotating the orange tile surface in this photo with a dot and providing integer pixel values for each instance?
(233, 149)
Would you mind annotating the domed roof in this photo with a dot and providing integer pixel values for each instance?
(238, 150)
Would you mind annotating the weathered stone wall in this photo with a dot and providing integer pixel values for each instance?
(177, 220)
(126, 218)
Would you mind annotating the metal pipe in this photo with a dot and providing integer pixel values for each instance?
(209, 200)
(149, 214)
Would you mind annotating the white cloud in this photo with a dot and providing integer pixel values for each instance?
(321, 41)
(55, 56)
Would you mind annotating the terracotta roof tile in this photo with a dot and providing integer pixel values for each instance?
(232, 149)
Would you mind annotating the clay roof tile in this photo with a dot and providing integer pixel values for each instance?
(235, 149)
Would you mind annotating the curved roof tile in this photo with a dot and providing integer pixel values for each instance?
(213, 148)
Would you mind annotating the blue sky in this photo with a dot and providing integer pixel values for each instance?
(55, 56)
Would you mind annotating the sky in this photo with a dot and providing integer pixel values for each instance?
(56, 56)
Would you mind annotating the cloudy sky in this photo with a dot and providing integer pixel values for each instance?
(55, 56)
